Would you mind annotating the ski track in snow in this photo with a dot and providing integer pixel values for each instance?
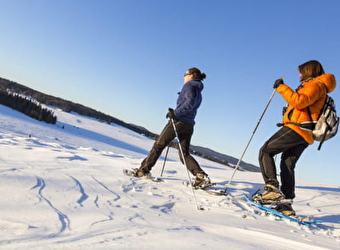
(83, 196)
(67, 191)
(64, 220)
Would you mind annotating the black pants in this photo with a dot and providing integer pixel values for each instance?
(185, 132)
(291, 145)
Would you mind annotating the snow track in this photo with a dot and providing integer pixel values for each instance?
(64, 220)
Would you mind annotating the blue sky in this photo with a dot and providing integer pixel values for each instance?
(127, 58)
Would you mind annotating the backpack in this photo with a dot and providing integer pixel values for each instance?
(326, 126)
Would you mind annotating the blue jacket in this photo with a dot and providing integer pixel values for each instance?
(188, 101)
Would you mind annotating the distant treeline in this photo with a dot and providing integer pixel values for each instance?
(27, 106)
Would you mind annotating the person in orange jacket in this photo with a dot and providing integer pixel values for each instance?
(292, 139)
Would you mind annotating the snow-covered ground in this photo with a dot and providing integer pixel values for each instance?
(62, 187)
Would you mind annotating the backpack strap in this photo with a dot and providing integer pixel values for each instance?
(308, 126)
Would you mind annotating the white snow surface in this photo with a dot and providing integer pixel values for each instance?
(62, 187)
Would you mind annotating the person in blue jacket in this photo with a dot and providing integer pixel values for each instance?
(189, 100)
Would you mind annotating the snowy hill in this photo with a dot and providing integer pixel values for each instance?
(68, 106)
(62, 188)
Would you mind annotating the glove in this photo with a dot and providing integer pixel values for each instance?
(277, 83)
(170, 114)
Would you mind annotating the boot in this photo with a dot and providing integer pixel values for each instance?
(140, 174)
(202, 181)
(285, 208)
(271, 194)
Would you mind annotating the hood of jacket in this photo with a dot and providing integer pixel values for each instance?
(197, 84)
(329, 81)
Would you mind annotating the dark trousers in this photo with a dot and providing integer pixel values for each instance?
(185, 132)
(291, 145)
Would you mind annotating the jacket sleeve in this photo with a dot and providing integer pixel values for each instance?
(306, 96)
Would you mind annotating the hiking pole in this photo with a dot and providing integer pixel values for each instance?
(166, 156)
(251, 137)
(185, 163)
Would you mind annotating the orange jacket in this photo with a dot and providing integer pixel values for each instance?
(312, 94)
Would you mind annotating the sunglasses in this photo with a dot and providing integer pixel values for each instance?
(186, 74)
